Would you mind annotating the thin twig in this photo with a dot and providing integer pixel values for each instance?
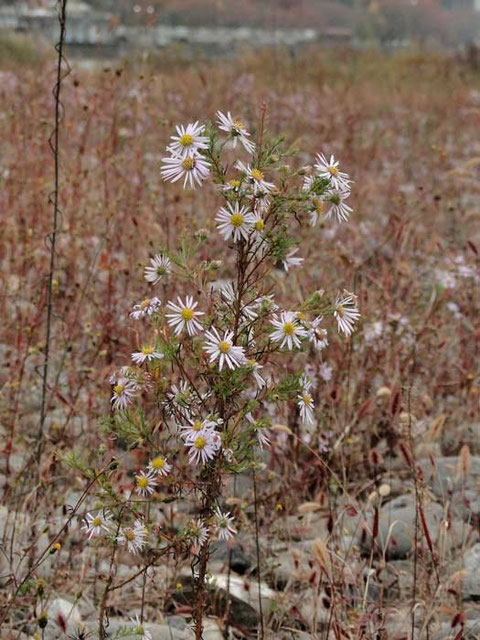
(257, 551)
(62, 19)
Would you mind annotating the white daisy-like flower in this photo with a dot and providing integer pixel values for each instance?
(184, 316)
(291, 261)
(197, 427)
(124, 391)
(134, 537)
(234, 221)
(263, 437)
(338, 207)
(160, 266)
(145, 483)
(146, 353)
(197, 532)
(256, 178)
(232, 185)
(306, 383)
(96, 525)
(325, 371)
(258, 225)
(329, 169)
(307, 182)
(147, 307)
(193, 169)
(287, 330)
(317, 335)
(203, 447)
(189, 140)
(236, 131)
(179, 398)
(306, 405)
(223, 523)
(224, 350)
(256, 375)
(140, 630)
(262, 433)
(346, 312)
(318, 210)
(160, 466)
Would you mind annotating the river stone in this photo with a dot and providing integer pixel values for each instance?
(64, 619)
(396, 526)
(243, 595)
(446, 480)
(471, 577)
(289, 567)
(234, 555)
(158, 631)
(454, 439)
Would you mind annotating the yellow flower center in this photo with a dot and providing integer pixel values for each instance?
(147, 351)
(289, 328)
(188, 164)
(236, 220)
(234, 183)
(259, 225)
(224, 346)
(187, 314)
(319, 206)
(341, 311)
(197, 425)
(96, 522)
(257, 174)
(301, 315)
(118, 388)
(129, 535)
(252, 363)
(238, 124)
(200, 443)
(333, 171)
(307, 399)
(186, 140)
(144, 304)
(158, 463)
(142, 482)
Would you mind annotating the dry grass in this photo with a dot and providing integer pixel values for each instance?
(405, 127)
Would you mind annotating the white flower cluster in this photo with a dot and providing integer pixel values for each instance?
(220, 344)
(329, 203)
(134, 537)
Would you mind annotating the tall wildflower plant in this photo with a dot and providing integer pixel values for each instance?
(198, 399)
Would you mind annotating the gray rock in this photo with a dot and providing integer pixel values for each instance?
(398, 623)
(234, 556)
(242, 594)
(63, 619)
(174, 628)
(453, 439)
(471, 578)
(447, 481)
(396, 527)
(158, 631)
(471, 631)
(289, 567)
(314, 610)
